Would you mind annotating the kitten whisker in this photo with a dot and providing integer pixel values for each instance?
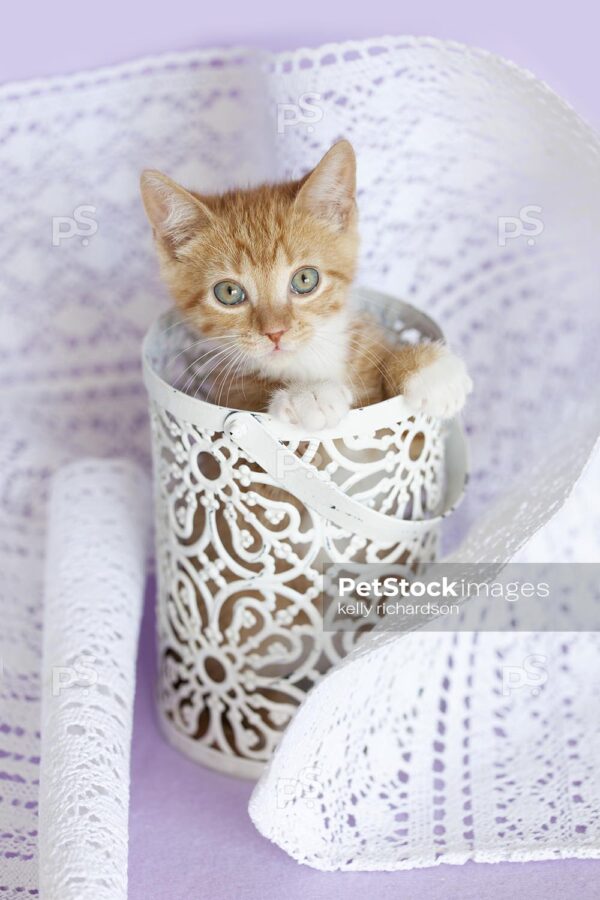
(181, 319)
(355, 374)
(213, 340)
(357, 344)
(232, 378)
(219, 362)
(202, 355)
(240, 367)
(378, 363)
(225, 373)
(212, 366)
(210, 354)
(323, 361)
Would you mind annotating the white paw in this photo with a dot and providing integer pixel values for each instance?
(440, 388)
(313, 406)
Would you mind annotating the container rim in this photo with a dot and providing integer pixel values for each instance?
(204, 414)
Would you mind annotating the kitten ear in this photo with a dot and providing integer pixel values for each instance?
(174, 213)
(329, 192)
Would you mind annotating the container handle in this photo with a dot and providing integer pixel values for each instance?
(316, 490)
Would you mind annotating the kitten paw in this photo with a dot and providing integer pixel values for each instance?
(440, 388)
(312, 407)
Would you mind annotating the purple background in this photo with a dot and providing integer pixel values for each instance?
(190, 833)
(558, 41)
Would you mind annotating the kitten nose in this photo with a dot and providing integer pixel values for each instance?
(275, 336)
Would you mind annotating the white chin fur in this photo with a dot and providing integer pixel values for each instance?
(322, 358)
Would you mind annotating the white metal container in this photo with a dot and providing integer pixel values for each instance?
(247, 511)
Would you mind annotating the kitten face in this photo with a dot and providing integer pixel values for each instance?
(265, 271)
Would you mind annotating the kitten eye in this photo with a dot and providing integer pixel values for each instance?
(305, 281)
(229, 293)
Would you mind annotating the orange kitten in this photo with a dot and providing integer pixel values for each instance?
(264, 275)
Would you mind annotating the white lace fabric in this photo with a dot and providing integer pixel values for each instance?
(453, 145)
(98, 537)
(448, 765)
